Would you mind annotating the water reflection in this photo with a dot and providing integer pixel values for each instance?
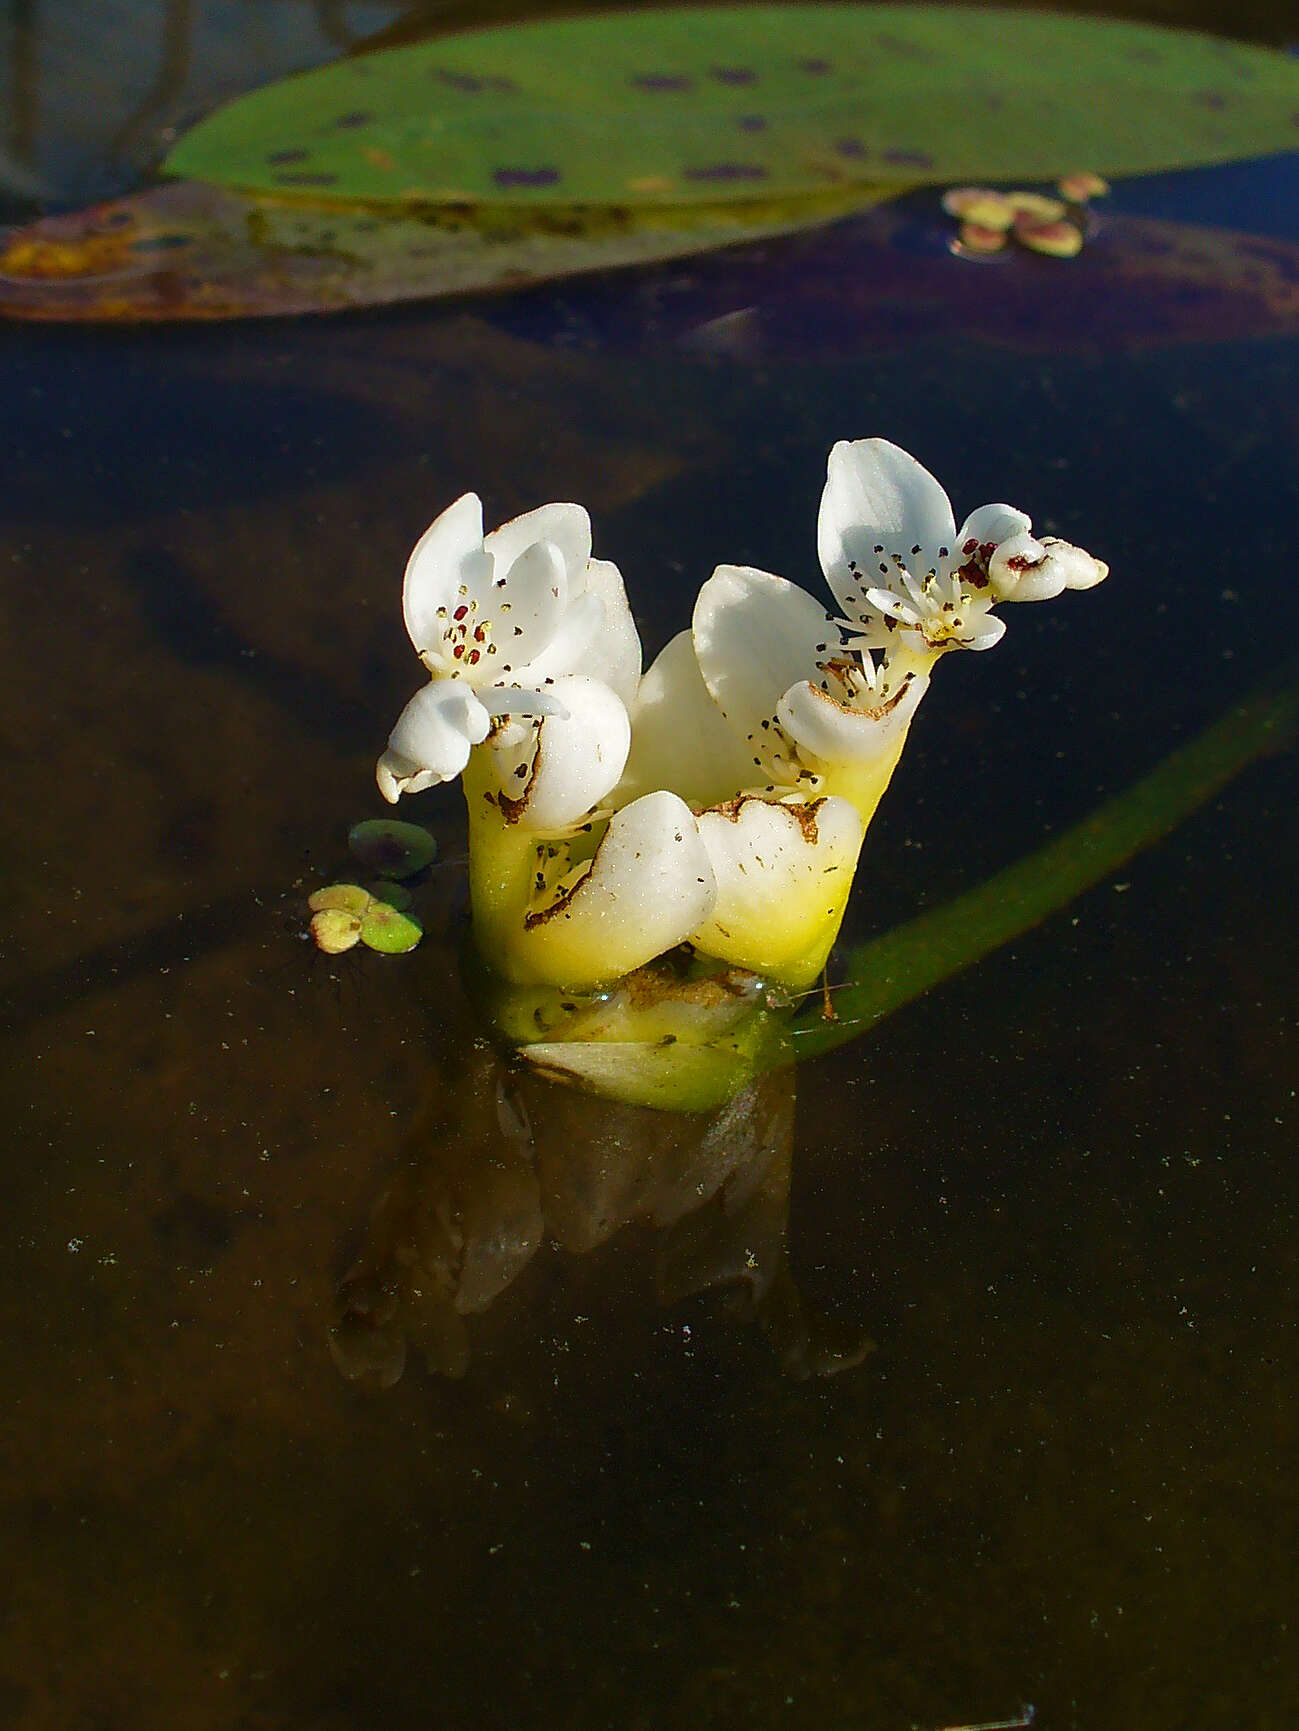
(498, 1162)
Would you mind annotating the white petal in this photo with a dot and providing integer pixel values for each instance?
(577, 759)
(877, 496)
(756, 635)
(449, 553)
(571, 647)
(526, 606)
(615, 653)
(679, 737)
(783, 876)
(566, 527)
(397, 775)
(831, 733)
(991, 525)
(982, 632)
(432, 738)
(649, 885)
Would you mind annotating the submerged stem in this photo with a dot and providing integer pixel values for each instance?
(902, 964)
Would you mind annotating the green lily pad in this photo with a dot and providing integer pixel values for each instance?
(738, 102)
(391, 849)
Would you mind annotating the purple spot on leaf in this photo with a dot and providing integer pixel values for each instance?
(525, 176)
(733, 74)
(457, 80)
(852, 148)
(1210, 99)
(727, 171)
(909, 158)
(275, 157)
(661, 80)
(899, 45)
(817, 68)
(358, 117)
(752, 123)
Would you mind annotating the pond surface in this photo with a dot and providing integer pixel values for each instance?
(965, 1382)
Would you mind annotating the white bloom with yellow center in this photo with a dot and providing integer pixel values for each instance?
(496, 620)
(904, 573)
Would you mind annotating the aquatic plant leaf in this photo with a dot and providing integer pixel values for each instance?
(391, 848)
(191, 251)
(892, 970)
(684, 105)
(335, 930)
(389, 931)
(340, 898)
(392, 894)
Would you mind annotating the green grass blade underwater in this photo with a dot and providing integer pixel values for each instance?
(902, 964)
(678, 106)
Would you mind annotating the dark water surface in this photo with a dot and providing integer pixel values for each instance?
(1040, 1226)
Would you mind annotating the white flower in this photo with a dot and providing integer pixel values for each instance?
(901, 569)
(726, 718)
(546, 915)
(497, 620)
(555, 771)
(803, 703)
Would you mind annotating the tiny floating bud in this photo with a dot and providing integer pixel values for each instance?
(978, 241)
(1078, 188)
(979, 205)
(1055, 239)
(1026, 569)
(1034, 207)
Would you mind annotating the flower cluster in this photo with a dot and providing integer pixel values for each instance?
(990, 221)
(720, 800)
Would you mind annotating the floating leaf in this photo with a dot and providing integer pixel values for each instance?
(394, 895)
(391, 848)
(335, 930)
(389, 932)
(344, 915)
(340, 898)
(189, 251)
(684, 105)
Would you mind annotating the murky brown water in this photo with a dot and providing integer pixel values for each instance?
(1039, 1227)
